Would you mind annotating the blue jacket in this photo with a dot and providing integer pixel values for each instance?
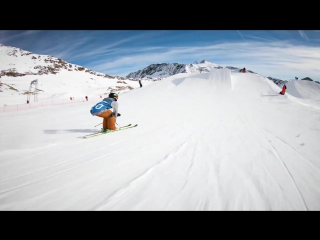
(106, 104)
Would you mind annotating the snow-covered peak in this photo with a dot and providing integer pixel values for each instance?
(169, 69)
(17, 62)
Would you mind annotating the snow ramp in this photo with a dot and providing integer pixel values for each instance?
(221, 78)
(217, 80)
(304, 92)
(304, 89)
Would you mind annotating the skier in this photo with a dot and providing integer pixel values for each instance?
(283, 91)
(87, 98)
(108, 110)
(140, 83)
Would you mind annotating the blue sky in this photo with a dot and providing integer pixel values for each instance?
(281, 54)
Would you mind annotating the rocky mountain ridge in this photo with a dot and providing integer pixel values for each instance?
(37, 64)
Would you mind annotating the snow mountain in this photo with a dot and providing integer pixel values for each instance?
(169, 69)
(16, 62)
(18, 68)
(56, 79)
(245, 147)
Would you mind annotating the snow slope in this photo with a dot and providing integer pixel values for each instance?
(206, 141)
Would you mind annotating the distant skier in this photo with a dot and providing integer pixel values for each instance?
(87, 98)
(103, 109)
(140, 83)
(243, 70)
(283, 91)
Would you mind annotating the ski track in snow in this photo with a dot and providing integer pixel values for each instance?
(43, 174)
(276, 153)
(138, 181)
(191, 167)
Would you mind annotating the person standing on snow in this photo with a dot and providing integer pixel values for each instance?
(283, 91)
(108, 110)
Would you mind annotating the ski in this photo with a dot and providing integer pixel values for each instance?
(109, 131)
(99, 133)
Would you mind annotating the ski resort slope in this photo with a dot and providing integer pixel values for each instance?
(305, 92)
(206, 141)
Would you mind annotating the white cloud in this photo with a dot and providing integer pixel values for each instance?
(303, 35)
(241, 36)
(7, 35)
(282, 58)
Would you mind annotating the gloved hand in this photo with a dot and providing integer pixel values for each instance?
(118, 114)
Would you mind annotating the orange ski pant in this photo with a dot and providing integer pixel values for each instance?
(109, 122)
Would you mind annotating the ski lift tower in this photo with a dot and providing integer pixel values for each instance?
(33, 89)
